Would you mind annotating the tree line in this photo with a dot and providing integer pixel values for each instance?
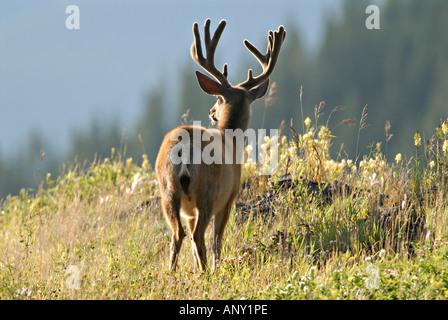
(400, 72)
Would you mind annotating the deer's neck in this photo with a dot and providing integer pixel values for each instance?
(235, 118)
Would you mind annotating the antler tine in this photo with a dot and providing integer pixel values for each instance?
(208, 63)
(224, 70)
(268, 60)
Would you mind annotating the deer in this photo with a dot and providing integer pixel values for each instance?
(198, 192)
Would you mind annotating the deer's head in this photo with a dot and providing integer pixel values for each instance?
(232, 107)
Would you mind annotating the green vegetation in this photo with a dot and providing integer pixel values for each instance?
(97, 231)
(400, 71)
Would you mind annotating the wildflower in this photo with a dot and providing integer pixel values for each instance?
(266, 146)
(324, 133)
(342, 164)
(372, 164)
(250, 166)
(145, 163)
(362, 164)
(284, 140)
(292, 151)
(307, 122)
(445, 128)
(445, 146)
(129, 163)
(351, 165)
(417, 139)
(308, 138)
(431, 164)
(398, 158)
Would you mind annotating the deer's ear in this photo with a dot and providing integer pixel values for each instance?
(260, 91)
(209, 85)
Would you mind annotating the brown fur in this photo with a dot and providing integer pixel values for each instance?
(199, 192)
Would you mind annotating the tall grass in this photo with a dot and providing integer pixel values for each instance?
(97, 232)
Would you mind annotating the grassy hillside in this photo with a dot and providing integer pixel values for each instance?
(380, 232)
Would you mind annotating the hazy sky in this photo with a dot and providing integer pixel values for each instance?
(54, 80)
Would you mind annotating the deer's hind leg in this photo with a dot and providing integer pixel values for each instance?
(220, 223)
(171, 210)
(198, 228)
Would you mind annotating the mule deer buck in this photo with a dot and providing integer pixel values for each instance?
(197, 192)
